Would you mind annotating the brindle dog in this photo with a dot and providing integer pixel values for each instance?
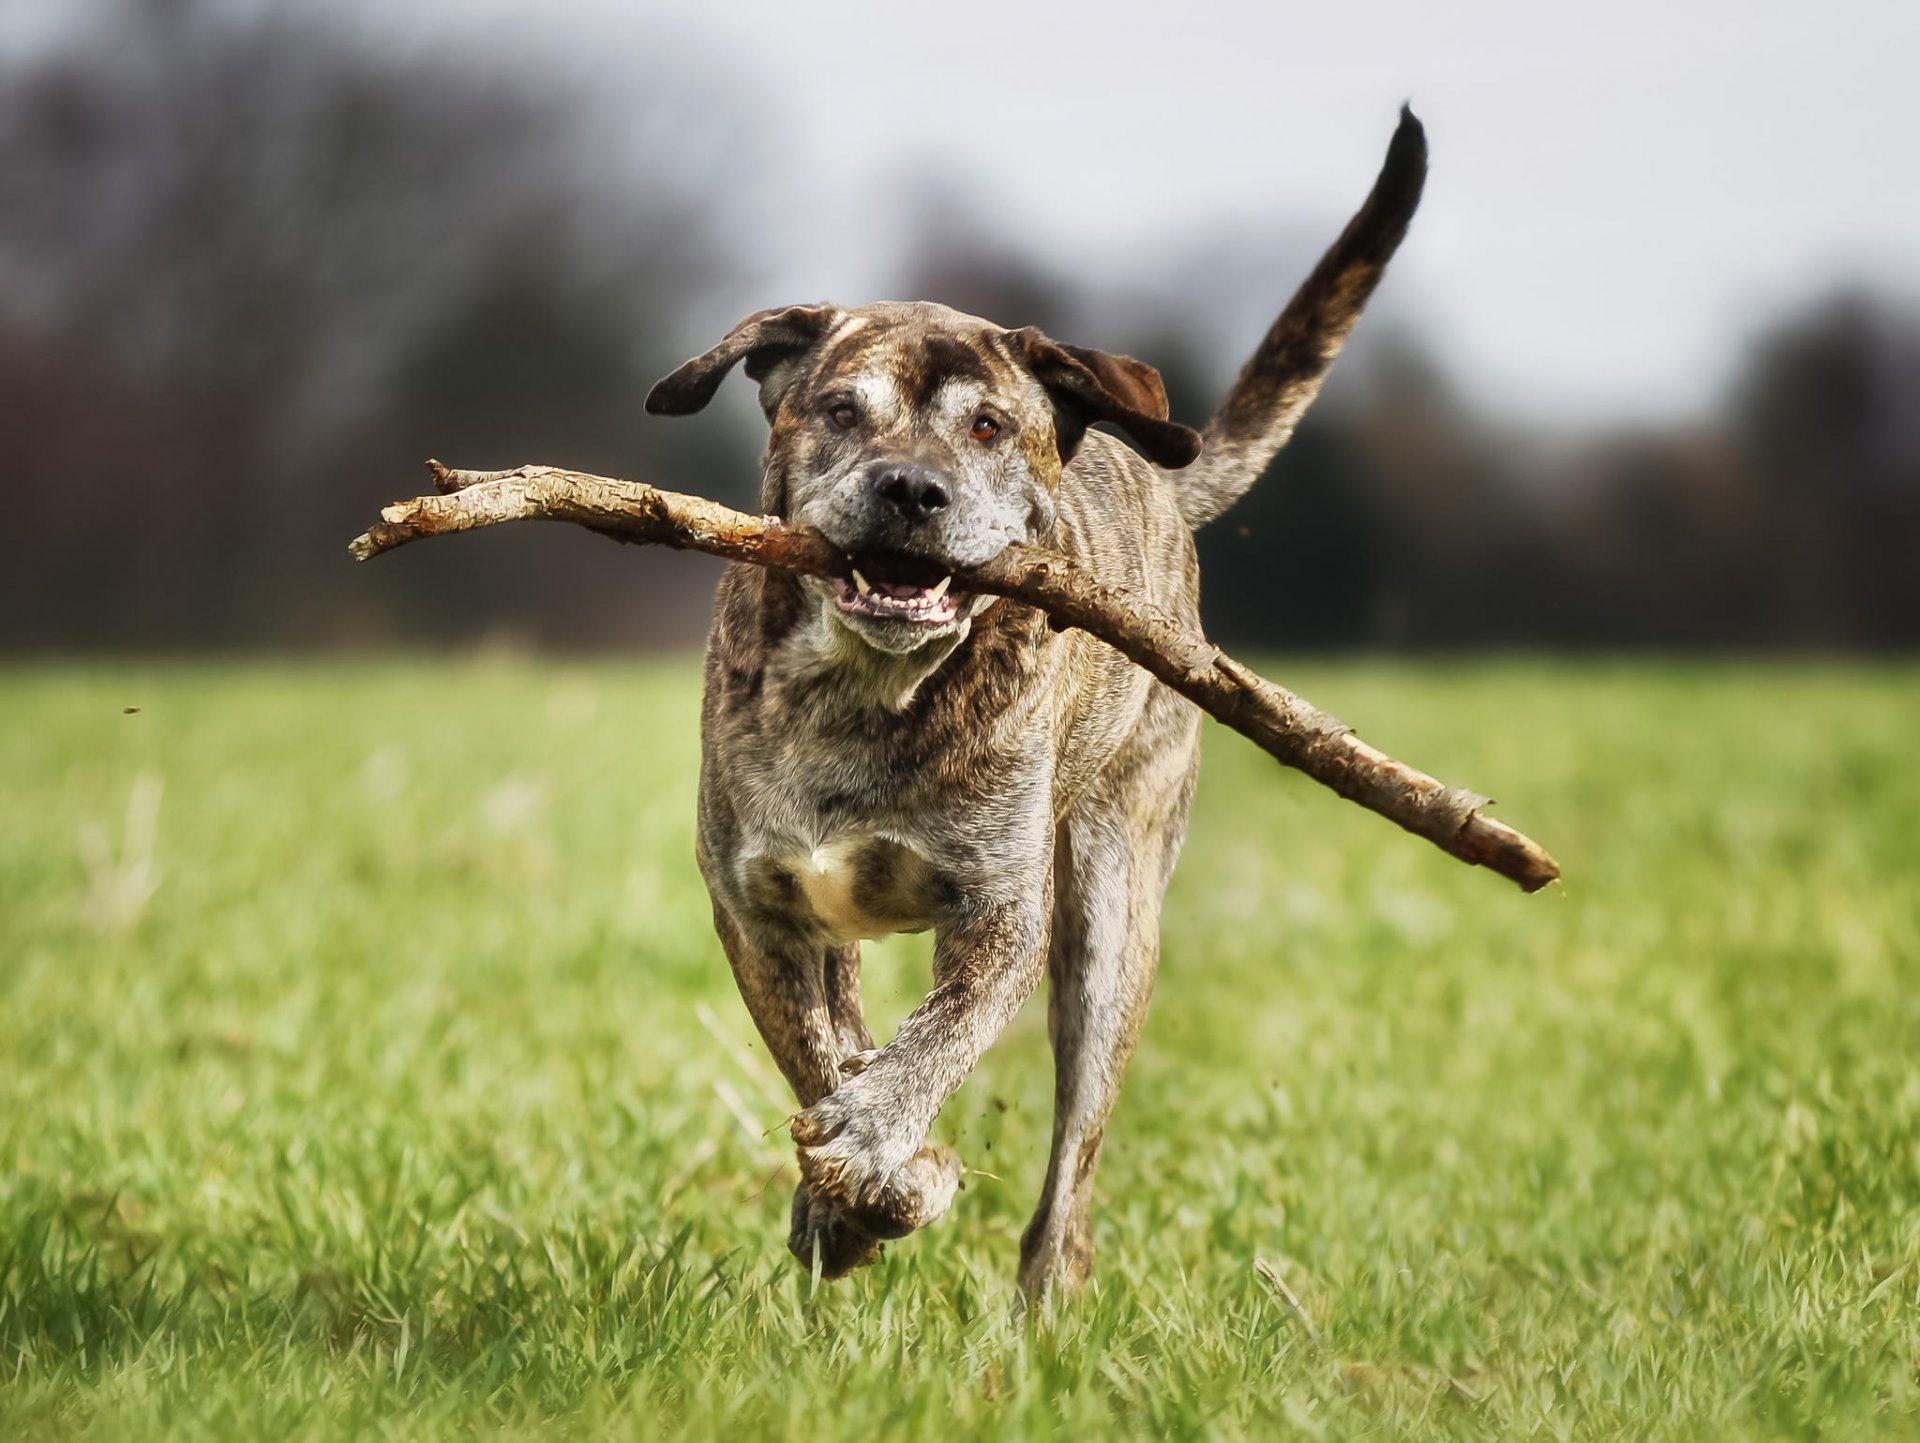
(885, 752)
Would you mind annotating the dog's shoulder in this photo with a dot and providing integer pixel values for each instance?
(755, 609)
(1119, 515)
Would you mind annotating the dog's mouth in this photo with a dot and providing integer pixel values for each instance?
(897, 588)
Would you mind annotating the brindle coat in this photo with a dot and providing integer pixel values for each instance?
(874, 765)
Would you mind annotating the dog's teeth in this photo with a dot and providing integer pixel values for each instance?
(933, 596)
(860, 582)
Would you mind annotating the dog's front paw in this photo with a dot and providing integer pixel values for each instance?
(852, 1140)
(857, 1154)
(819, 1229)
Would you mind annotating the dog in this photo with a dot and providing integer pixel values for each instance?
(884, 752)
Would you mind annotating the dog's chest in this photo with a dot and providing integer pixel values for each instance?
(845, 886)
(841, 817)
(858, 887)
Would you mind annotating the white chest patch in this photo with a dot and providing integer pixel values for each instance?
(858, 887)
(826, 876)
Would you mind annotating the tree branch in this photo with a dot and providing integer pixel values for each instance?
(1290, 729)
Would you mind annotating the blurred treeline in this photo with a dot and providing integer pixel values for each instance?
(256, 264)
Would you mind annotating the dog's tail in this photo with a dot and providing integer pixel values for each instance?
(1284, 375)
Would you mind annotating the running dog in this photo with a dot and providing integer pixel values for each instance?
(884, 752)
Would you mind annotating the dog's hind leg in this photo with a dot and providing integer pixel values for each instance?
(1115, 853)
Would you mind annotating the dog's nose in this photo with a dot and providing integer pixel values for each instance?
(914, 491)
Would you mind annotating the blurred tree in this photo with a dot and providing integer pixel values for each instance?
(256, 264)
(227, 236)
(951, 258)
(1298, 562)
(1826, 419)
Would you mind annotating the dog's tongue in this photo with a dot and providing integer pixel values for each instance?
(899, 590)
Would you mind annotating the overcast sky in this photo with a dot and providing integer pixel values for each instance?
(1620, 192)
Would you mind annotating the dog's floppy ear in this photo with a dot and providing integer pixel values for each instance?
(1088, 386)
(763, 340)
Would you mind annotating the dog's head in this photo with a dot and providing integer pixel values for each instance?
(921, 442)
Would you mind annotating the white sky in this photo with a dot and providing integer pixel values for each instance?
(1620, 192)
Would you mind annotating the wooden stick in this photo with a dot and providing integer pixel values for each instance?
(1290, 729)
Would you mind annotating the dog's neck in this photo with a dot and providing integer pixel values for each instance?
(822, 650)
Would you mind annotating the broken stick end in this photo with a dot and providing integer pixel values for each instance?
(1500, 848)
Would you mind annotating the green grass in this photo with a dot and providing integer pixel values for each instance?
(397, 1109)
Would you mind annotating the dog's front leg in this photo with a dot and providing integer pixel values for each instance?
(804, 997)
(787, 983)
(864, 1145)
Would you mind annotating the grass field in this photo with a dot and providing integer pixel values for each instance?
(367, 1068)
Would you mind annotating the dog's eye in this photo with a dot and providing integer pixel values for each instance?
(843, 416)
(985, 428)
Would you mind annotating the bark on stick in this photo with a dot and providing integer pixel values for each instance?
(1287, 727)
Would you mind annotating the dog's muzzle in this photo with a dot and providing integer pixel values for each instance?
(894, 574)
(913, 493)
